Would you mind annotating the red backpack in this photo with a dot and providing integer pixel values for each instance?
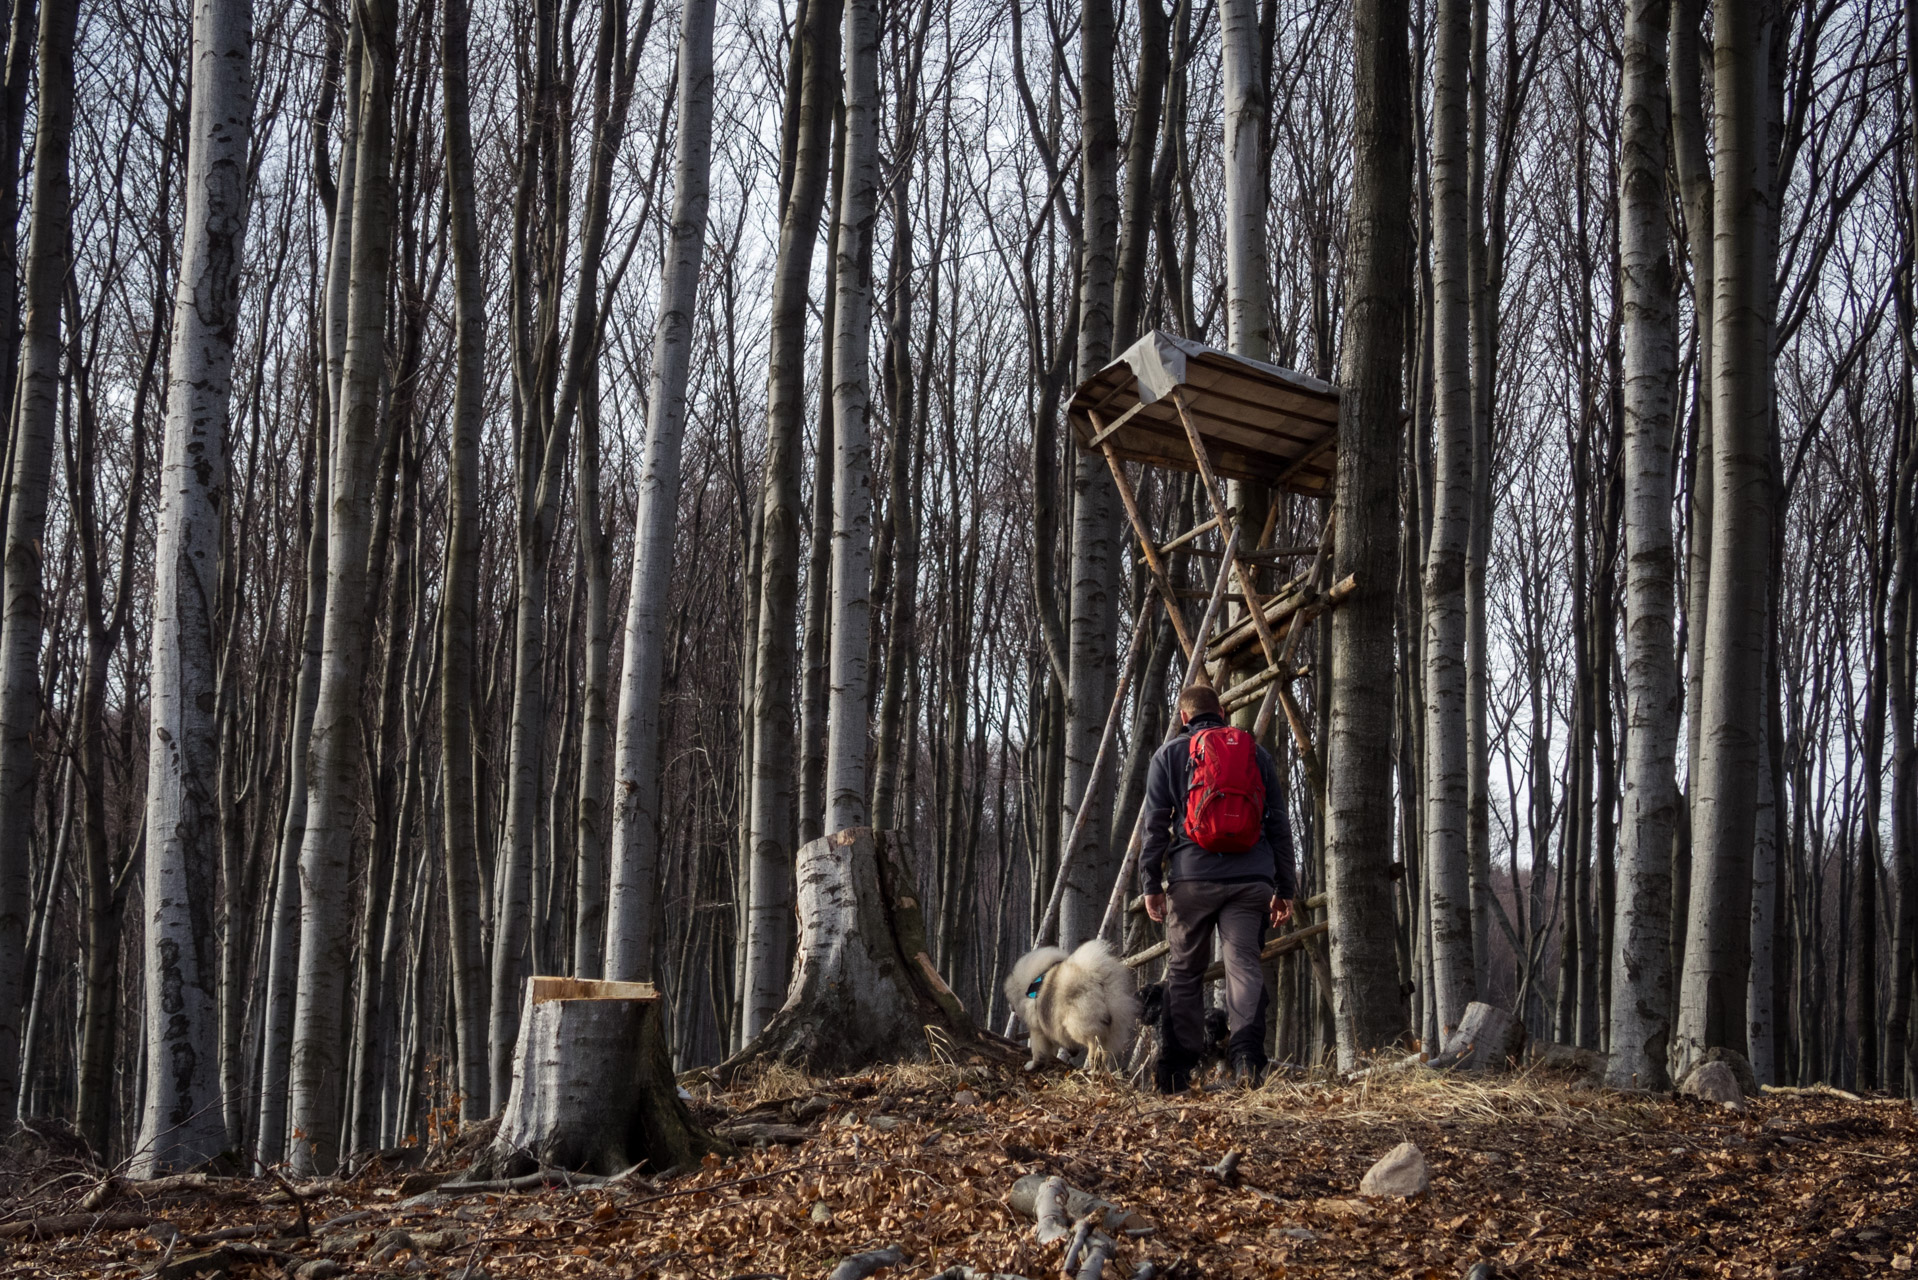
(1225, 803)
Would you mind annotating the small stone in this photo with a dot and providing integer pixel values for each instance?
(438, 1241)
(885, 1124)
(1401, 1172)
(812, 1108)
(1715, 1082)
(392, 1245)
(965, 1098)
(1302, 1233)
(318, 1269)
(848, 1120)
(821, 1212)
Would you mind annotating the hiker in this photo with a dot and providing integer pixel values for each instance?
(1217, 855)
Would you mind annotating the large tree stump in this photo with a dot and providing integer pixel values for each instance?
(1488, 1039)
(864, 989)
(593, 1086)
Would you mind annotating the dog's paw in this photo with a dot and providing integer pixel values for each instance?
(1033, 1065)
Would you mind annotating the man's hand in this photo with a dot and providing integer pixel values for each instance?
(1155, 907)
(1278, 911)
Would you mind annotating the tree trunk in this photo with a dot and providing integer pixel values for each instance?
(1247, 279)
(459, 605)
(1368, 1002)
(850, 705)
(864, 990)
(337, 746)
(184, 1123)
(1641, 978)
(1691, 162)
(1711, 1010)
(35, 418)
(769, 924)
(593, 1086)
(1447, 852)
(635, 871)
(1095, 541)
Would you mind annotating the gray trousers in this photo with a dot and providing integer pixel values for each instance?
(1194, 908)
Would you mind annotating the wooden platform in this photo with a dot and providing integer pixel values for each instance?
(1256, 420)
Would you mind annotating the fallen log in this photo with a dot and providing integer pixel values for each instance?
(47, 1226)
(1024, 1198)
(861, 1265)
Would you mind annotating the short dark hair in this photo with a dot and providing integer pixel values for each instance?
(1200, 700)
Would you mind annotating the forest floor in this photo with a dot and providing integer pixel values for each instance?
(1530, 1174)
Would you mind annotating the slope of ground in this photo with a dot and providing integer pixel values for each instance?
(1530, 1176)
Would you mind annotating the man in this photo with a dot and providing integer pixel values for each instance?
(1243, 881)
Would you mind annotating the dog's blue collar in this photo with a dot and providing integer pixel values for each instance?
(1032, 992)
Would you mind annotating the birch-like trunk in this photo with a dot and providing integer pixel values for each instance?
(1091, 668)
(1641, 966)
(183, 1122)
(1248, 312)
(1483, 305)
(1711, 1008)
(1447, 852)
(769, 925)
(1691, 162)
(36, 416)
(459, 606)
(335, 757)
(1368, 1003)
(849, 703)
(635, 863)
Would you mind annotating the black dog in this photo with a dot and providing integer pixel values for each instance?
(1172, 1069)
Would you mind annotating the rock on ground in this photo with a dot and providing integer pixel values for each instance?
(1401, 1172)
(1715, 1082)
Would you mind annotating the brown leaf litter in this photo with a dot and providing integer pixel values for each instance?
(1529, 1175)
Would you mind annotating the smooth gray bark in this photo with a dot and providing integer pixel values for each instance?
(769, 931)
(1641, 967)
(183, 1122)
(1093, 564)
(459, 603)
(1446, 790)
(1711, 1008)
(1247, 280)
(318, 1067)
(849, 701)
(1369, 1005)
(36, 414)
(635, 856)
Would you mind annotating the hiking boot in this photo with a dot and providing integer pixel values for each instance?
(1247, 1071)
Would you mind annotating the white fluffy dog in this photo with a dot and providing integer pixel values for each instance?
(1083, 1000)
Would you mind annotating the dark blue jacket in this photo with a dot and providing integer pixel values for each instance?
(1169, 855)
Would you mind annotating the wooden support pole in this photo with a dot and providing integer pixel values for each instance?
(1141, 531)
(1202, 455)
(1194, 665)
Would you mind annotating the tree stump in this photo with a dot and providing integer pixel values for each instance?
(864, 989)
(1488, 1039)
(593, 1088)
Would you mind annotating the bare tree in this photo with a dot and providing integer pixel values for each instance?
(1445, 842)
(1368, 1001)
(636, 782)
(1641, 982)
(849, 704)
(1711, 1009)
(460, 600)
(319, 1058)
